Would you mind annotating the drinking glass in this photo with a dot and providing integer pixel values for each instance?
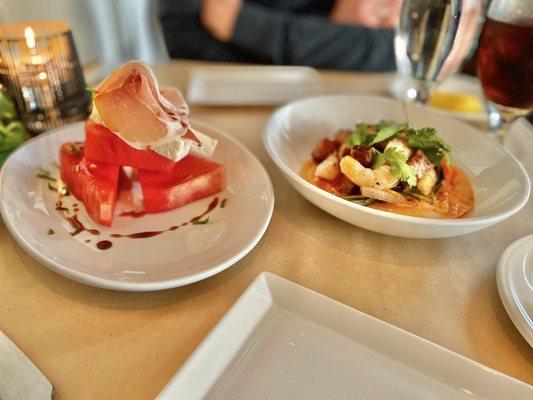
(505, 59)
(432, 40)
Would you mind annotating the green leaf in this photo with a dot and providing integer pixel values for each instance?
(8, 111)
(223, 203)
(399, 167)
(433, 146)
(386, 132)
(358, 136)
(11, 135)
(3, 156)
(379, 159)
(90, 95)
(51, 231)
(45, 174)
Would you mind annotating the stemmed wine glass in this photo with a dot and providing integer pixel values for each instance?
(432, 39)
(505, 59)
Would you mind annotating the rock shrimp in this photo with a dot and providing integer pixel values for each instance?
(380, 178)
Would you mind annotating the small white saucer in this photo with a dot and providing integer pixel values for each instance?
(515, 284)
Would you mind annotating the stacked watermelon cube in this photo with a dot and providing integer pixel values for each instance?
(92, 170)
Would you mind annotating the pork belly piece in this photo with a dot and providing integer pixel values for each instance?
(324, 149)
(363, 154)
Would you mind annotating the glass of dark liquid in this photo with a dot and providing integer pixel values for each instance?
(505, 58)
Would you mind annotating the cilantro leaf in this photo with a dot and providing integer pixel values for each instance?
(399, 167)
(379, 159)
(386, 131)
(433, 146)
(358, 136)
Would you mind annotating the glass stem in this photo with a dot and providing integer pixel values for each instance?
(419, 93)
(501, 116)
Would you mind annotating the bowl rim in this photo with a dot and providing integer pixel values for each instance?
(444, 222)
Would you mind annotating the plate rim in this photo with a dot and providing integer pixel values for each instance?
(270, 282)
(468, 221)
(504, 281)
(117, 284)
(194, 97)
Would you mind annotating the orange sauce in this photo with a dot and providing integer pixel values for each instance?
(454, 199)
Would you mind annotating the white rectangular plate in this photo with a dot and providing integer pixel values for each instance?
(283, 341)
(251, 85)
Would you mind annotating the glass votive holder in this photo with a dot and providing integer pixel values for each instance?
(39, 66)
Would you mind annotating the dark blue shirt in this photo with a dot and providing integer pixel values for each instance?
(281, 32)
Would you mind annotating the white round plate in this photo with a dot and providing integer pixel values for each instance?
(515, 284)
(501, 185)
(458, 83)
(169, 260)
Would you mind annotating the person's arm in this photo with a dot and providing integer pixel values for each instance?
(307, 40)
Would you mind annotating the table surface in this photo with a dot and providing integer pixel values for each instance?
(94, 344)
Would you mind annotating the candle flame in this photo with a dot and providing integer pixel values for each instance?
(29, 34)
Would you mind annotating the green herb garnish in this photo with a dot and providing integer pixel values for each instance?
(379, 159)
(63, 191)
(223, 203)
(399, 167)
(200, 222)
(425, 139)
(386, 132)
(383, 131)
(51, 231)
(358, 136)
(433, 146)
(45, 174)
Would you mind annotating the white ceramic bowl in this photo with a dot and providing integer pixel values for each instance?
(501, 185)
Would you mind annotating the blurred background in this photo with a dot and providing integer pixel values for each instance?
(106, 32)
(342, 34)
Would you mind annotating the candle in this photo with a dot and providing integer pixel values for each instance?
(40, 68)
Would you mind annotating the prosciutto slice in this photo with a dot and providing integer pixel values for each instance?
(130, 104)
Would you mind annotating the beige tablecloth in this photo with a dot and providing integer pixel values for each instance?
(98, 344)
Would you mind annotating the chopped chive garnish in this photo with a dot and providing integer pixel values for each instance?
(202, 222)
(51, 231)
(45, 176)
(223, 203)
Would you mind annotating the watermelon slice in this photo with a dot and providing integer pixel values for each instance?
(104, 146)
(95, 184)
(191, 179)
